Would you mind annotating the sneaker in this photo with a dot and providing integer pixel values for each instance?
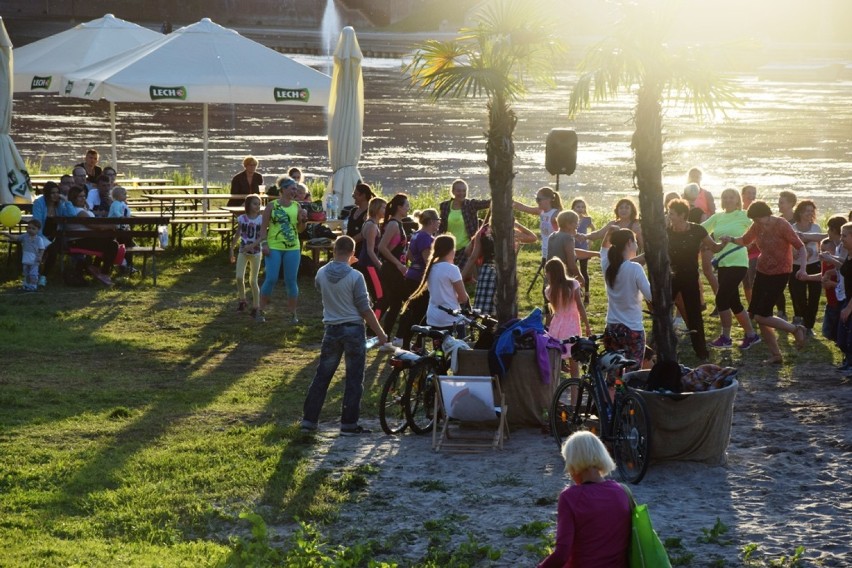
(356, 431)
(722, 342)
(42, 281)
(260, 318)
(397, 342)
(749, 341)
(308, 428)
(241, 307)
(294, 319)
(104, 279)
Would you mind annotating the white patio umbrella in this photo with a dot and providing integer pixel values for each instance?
(345, 117)
(14, 181)
(202, 63)
(40, 66)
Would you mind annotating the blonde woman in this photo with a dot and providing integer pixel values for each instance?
(593, 514)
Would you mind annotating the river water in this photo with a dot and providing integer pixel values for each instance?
(785, 135)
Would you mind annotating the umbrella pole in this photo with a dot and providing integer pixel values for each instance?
(112, 124)
(204, 170)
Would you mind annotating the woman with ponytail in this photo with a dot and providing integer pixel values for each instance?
(626, 285)
(369, 264)
(443, 280)
(392, 251)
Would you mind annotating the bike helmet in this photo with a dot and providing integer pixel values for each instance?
(614, 361)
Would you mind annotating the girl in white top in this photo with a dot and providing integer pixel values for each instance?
(444, 281)
(626, 285)
(548, 206)
(248, 253)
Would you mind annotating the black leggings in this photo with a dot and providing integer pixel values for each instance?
(687, 287)
(728, 296)
(393, 285)
(805, 295)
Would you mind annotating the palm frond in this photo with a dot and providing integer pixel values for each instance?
(511, 42)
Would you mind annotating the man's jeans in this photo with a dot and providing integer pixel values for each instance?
(341, 339)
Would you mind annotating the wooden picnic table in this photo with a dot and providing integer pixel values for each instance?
(38, 181)
(170, 200)
(187, 189)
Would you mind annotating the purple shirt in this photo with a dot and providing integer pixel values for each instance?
(592, 527)
(420, 242)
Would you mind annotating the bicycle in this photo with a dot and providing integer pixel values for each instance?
(407, 393)
(624, 426)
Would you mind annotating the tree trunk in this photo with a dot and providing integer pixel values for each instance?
(500, 154)
(648, 152)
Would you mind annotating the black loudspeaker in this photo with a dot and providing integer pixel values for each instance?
(561, 152)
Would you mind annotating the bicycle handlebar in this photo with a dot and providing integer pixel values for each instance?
(470, 316)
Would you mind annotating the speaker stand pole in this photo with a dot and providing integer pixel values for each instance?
(557, 183)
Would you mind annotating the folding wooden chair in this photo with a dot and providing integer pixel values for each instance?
(469, 399)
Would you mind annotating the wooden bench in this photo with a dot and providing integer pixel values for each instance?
(143, 230)
(181, 224)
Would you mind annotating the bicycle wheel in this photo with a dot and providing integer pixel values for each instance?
(573, 409)
(631, 446)
(420, 397)
(392, 403)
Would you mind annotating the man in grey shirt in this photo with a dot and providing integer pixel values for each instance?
(345, 308)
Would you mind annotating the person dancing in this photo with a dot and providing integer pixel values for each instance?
(777, 240)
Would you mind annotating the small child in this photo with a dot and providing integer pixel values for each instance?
(548, 205)
(119, 208)
(249, 253)
(584, 226)
(32, 249)
(566, 302)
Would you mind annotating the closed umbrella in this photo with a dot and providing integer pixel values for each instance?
(40, 66)
(14, 180)
(345, 117)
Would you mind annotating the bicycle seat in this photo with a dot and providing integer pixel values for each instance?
(428, 331)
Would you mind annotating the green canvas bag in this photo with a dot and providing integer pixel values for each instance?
(646, 549)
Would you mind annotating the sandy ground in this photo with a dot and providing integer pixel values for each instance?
(787, 482)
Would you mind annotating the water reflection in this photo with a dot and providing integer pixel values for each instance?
(784, 136)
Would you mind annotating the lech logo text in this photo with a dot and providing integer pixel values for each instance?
(159, 93)
(295, 95)
(40, 83)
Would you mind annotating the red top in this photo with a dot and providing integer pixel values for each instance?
(776, 240)
(592, 527)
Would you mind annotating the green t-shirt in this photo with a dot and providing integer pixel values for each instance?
(455, 225)
(733, 224)
(282, 233)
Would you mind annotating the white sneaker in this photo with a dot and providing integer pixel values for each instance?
(397, 342)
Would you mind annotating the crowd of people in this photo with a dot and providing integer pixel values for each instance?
(750, 257)
(754, 257)
(88, 191)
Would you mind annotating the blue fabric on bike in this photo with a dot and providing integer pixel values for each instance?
(500, 355)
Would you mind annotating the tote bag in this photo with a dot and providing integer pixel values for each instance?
(646, 549)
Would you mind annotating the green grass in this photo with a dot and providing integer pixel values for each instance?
(138, 423)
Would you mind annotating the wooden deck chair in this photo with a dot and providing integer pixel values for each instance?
(464, 400)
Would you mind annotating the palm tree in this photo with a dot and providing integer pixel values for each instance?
(512, 41)
(636, 56)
